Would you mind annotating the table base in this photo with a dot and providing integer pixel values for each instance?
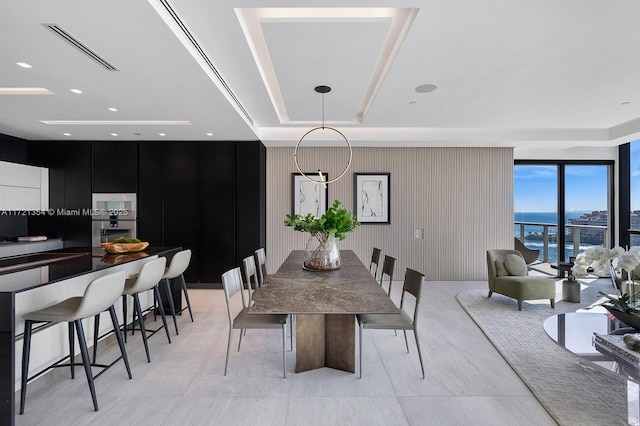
(325, 341)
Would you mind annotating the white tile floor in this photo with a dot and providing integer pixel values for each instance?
(467, 381)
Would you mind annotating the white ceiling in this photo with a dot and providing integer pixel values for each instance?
(546, 73)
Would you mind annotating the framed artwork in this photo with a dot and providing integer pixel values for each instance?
(372, 197)
(307, 196)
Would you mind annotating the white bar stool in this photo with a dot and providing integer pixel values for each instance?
(99, 296)
(179, 264)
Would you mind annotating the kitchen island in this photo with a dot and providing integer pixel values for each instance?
(34, 281)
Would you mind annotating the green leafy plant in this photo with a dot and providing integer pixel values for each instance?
(622, 303)
(336, 222)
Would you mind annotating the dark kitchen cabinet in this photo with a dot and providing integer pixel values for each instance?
(115, 166)
(150, 199)
(217, 206)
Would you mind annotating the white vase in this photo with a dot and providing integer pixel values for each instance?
(321, 253)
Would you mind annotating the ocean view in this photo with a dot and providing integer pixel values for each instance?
(545, 217)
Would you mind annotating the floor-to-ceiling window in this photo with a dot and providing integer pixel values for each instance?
(634, 205)
(563, 204)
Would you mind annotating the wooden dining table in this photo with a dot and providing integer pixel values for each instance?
(325, 304)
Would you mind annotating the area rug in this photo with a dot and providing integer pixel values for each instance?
(572, 389)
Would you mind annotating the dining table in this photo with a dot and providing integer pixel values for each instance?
(325, 305)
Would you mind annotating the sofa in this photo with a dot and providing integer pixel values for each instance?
(508, 275)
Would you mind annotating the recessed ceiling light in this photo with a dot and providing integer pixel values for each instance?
(24, 91)
(67, 134)
(426, 88)
(24, 65)
(209, 134)
(162, 134)
(76, 91)
(113, 109)
(114, 134)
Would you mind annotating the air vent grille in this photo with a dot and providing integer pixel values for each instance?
(60, 32)
(201, 52)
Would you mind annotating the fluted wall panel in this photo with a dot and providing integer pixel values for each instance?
(461, 197)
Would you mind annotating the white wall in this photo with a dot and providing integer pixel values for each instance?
(461, 197)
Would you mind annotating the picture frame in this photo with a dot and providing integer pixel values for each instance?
(309, 197)
(372, 197)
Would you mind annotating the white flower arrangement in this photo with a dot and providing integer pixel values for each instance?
(598, 257)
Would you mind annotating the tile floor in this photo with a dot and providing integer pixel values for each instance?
(467, 381)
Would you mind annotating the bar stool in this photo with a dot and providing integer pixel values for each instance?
(99, 296)
(150, 275)
(179, 263)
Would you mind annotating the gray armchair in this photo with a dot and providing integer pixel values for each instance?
(520, 287)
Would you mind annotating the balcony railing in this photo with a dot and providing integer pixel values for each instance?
(546, 236)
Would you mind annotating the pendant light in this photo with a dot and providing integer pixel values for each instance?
(321, 181)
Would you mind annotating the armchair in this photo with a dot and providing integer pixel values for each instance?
(520, 287)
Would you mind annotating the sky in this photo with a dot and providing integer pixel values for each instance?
(535, 188)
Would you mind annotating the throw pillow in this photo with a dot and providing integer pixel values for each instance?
(501, 269)
(515, 265)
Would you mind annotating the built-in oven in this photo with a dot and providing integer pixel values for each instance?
(113, 216)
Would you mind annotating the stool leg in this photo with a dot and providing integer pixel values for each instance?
(116, 327)
(26, 348)
(85, 361)
(156, 295)
(186, 295)
(137, 308)
(124, 316)
(96, 330)
(170, 299)
(72, 348)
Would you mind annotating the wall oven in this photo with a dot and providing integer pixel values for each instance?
(113, 216)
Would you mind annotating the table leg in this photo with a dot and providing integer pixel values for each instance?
(325, 341)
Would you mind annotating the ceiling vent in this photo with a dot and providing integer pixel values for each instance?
(203, 55)
(60, 32)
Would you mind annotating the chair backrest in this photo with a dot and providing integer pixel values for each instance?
(413, 285)
(232, 284)
(250, 276)
(179, 264)
(150, 274)
(375, 260)
(387, 269)
(99, 295)
(492, 256)
(261, 265)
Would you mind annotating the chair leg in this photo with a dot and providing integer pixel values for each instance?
(415, 334)
(284, 350)
(138, 309)
(490, 293)
(26, 349)
(85, 362)
(156, 296)
(240, 340)
(171, 306)
(553, 303)
(116, 328)
(405, 340)
(72, 347)
(226, 361)
(186, 295)
(96, 330)
(519, 304)
(360, 347)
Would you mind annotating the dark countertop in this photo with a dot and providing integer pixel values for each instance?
(64, 264)
(348, 290)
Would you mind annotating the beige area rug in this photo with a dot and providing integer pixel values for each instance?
(572, 389)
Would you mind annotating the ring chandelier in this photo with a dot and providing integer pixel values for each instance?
(321, 181)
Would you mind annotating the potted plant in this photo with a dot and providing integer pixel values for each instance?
(321, 252)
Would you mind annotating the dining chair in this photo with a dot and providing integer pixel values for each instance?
(400, 321)
(375, 260)
(99, 296)
(251, 276)
(261, 265)
(232, 284)
(387, 269)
